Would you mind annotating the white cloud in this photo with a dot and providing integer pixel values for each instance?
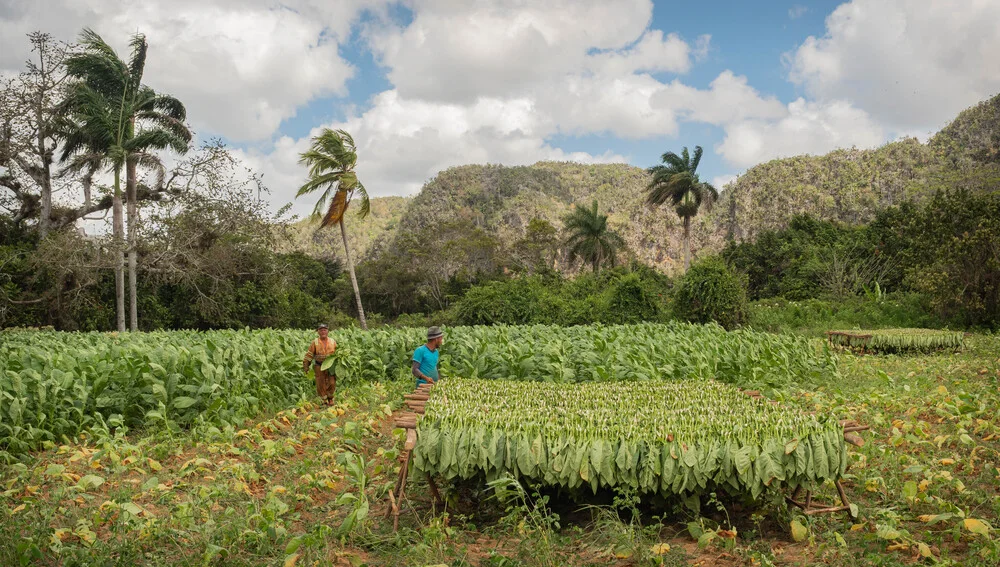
(653, 52)
(911, 65)
(807, 128)
(459, 51)
(720, 181)
(729, 98)
(797, 11)
(404, 142)
(240, 67)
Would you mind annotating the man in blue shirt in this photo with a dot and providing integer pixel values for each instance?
(425, 358)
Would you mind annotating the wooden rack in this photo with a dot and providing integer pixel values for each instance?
(809, 507)
(415, 402)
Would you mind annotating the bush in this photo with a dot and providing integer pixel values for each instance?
(506, 302)
(710, 291)
(628, 301)
(815, 316)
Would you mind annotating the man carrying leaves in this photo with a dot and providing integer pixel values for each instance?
(319, 349)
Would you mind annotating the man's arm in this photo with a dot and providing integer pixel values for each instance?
(419, 375)
(309, 357)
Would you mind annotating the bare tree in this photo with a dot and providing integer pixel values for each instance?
(31, 117)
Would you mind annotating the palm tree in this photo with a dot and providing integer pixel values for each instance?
(331, 160)
(590, 239)
(676, 181)
(117, 122)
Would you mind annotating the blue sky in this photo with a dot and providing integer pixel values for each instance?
(750, 37)
(428, 84)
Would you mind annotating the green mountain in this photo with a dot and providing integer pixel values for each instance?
(503, 200)
(851, 185)
(848, 185)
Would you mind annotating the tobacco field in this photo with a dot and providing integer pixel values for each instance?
(184, 448)
(56, 385)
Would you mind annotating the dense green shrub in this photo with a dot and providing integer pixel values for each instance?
(711, 291)
(816, 316)
(622, 295)
(809, 259)
(512, 302)
(629, 301)
(947, 249)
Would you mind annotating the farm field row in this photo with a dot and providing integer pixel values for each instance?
(307, 486)
(56, 385)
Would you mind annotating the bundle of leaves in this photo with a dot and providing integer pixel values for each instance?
(670, 438)
(898, 340)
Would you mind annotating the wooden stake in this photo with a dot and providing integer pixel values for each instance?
(854, 439)
(843, 494)
(434, 489)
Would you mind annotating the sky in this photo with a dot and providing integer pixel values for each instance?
(424, 85)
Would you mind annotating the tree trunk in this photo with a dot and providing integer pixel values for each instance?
(118, 230)
(687, 243)
(133, 219)
(45, 221)
(354, 279)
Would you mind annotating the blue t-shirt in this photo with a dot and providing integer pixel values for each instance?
(428, 360)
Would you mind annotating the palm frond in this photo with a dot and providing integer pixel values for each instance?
(137, 64)
(151, 161)
(365, 207)
(697, 158)
(314, 183)
(335, 213)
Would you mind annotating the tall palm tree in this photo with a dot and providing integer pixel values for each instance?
(331, 160)
(676, 181)
(590, 239)
(117, 122)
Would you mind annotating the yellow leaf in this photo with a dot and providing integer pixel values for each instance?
(857, 527)
(799, 532)
(154, 464)
(242, 432)
(96, 465)
(291, 559)
(898, 546)
(942, 390)
(660, 549)
(923, 485)
(60, 535)
(947, 461)
(924, 550)
(975, 526)
(926, 517)
(16, 510)
(623, 555)
(279, 489)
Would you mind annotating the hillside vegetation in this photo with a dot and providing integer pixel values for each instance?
(847, 185)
